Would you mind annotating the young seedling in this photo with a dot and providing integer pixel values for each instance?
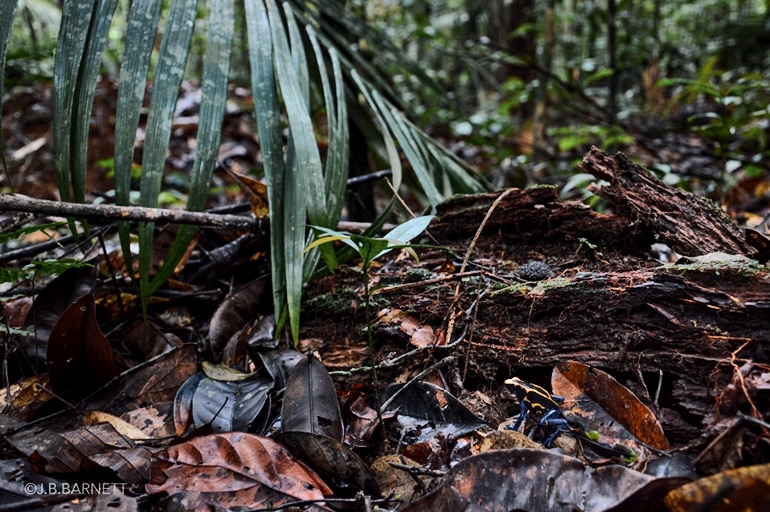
(369, 249)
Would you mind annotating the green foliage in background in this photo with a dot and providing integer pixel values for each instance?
(734, 117)
(528, 105)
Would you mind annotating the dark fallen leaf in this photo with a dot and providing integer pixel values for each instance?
(263, 334)
(746, 488)
(534, 479)
(183, 402)
(79, 357)
(234, 313)
(153, 382)
(675, 464)
(235, 469)
(232, 405)
(279, 364)
(145, 340)
(89, 449)
(51, 302)
(425, 409)
(310, 401)
(619, 402)
(724, 452)
(16, 477)
(444, 498)
(251, 339)
(332, 460)
(361, 420)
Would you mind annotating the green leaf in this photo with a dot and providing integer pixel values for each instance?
(336, 171)
(84, 93)
(390, 123)
(370, 248)
(216, 67)
(409, 230)
(310, 177)
(298, 57)
(404, 233)
(140, 36)
(268, 116)
(330, 239)
(7, 7)
(172, 60)
(5, 237)
(294, 239)
(598, 75)
(70, 51)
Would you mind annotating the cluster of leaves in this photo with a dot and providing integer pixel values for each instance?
(47, 267)
(735, 117)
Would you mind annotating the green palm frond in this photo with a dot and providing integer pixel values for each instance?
(6, 22)
(302, 62)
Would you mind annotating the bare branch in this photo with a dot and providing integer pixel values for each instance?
(19, 203)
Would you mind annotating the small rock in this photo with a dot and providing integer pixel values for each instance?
(534, 271)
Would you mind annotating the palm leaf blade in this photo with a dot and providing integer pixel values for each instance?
(172, 60)
(6, 22)
(140, 36)
(267, 112)
(216, 66)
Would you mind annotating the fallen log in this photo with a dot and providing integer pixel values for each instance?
(689, 333)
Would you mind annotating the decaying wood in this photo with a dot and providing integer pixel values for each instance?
(691, 225)
(607, 303)
(534, 214)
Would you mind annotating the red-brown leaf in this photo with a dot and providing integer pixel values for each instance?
(238, 467)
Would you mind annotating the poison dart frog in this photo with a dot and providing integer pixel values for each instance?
(539, 403)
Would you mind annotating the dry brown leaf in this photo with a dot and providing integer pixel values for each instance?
(235, 469)
(124, 428)
(617, 400)
(254, 190)
(79, 357)
(746, 488)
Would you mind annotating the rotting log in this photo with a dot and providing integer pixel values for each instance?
(606, 304)
(691, 225)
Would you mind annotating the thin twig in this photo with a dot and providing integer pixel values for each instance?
(453, 314)
(435, 280)
(384, 406)
(417, 470)
(733, 357)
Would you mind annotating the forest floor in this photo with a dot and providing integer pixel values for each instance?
(650, 321)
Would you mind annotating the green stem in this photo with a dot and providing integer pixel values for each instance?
(370, 340)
